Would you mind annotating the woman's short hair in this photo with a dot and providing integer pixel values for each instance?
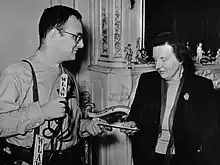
(179, 48)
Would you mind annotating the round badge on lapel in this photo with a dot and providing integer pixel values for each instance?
(186, 96)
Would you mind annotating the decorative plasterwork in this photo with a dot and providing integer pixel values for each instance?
(210, 74)
(117, 26)
(137, 47)
(70, 3)
(132, 3)
(55, 2)
(128, 55)
(121, 96)
(117, 30)
(104, 32)
(85, 85)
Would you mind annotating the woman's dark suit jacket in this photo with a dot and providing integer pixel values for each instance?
(194, 125)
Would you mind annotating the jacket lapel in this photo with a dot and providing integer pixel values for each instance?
(180, 101)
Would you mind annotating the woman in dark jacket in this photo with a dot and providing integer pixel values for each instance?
(174, 110)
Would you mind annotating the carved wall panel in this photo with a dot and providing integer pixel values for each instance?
(117, 10)
(104, 28)
(119, 25)
(114, 86)
(116, 38)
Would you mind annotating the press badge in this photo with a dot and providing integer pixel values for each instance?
(63, 85)
(38, 150)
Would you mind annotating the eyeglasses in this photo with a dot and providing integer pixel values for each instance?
(77, 38)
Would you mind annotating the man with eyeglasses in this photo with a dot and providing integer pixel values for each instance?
(30, 108)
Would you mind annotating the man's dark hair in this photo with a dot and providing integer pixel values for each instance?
(179, 49)
(55, 17)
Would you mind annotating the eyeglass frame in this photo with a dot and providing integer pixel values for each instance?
(78, 37)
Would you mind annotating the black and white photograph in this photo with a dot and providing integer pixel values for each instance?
(110, 82)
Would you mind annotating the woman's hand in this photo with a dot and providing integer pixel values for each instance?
(129, 124)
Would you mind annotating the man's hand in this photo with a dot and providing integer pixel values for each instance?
(129, 124)
(54, 109)
(94, 127)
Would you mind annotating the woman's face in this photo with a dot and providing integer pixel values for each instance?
(166, 62)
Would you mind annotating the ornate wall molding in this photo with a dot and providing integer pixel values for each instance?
(117, 29)
(104, 29)
(114, 86)
(55, 2)
(71, 3)
(120, 97)
(113, 16)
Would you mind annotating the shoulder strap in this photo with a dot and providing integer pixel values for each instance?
(35, 91)
(35, 97)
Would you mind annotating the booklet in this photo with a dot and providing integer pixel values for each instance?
(120, 126)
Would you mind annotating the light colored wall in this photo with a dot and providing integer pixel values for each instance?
(84, 8)
(18, 29)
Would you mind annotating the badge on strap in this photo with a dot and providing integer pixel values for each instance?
(38, 150)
